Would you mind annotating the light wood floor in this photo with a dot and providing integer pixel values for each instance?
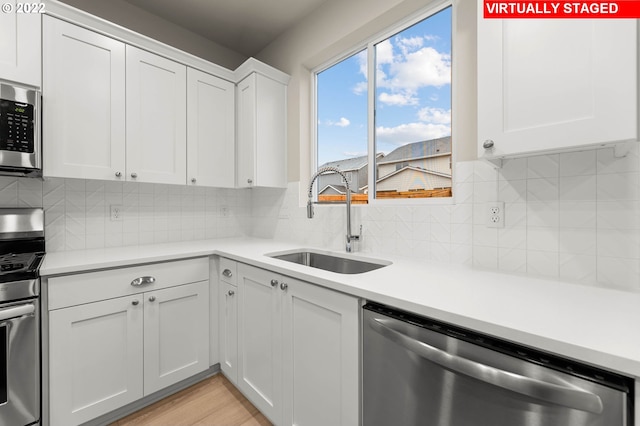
(212, 402)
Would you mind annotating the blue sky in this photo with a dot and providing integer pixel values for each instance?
(413, 93)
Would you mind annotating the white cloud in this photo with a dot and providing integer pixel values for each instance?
(360, 88)
(425, 67)
(411, 44)
(435, 115)
(384, 52)
(411, 132)
(399, 99)
(343, 122)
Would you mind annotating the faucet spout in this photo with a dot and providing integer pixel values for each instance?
(326, 170)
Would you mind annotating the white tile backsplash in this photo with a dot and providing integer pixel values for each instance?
(573, 216)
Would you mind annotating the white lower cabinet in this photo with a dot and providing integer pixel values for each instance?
(297, 349)
(176, 334)
(95, 359)
(105, 354)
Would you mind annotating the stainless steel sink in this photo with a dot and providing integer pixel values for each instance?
(330, 262)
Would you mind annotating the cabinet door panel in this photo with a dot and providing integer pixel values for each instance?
(320, 356)
(20, 45)
(83, 103)
(260, 341)
(210, 130)
(271, 149)
(247, 132)
(229, 331)
(95, 359)
(176, 338)
(553, 85)
(156, 118)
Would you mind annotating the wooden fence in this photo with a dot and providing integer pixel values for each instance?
(362, 198)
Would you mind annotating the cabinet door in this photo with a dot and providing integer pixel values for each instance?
(83, 103)
(20, 43)
(271, 146)
(176, 334)
(260, 340)
(156, 118)
(555, 84)
(229, 331)
(261, 132)
(210, 130)
(321, 367)
(95, 359)
(247, 132)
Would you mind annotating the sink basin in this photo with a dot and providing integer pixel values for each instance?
(331, 262)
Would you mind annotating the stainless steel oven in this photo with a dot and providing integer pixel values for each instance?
(19, 131)
(21, 252)
(418, 371)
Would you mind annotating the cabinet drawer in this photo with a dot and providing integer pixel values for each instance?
(228, 271)
(89, 287)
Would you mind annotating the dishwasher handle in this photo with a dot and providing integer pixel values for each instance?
(556, 394)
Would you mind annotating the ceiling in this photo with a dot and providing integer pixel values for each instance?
(245, 26)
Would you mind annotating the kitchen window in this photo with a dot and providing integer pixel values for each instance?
(391, 132)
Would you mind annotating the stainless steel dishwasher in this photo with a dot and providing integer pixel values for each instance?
(418, 371)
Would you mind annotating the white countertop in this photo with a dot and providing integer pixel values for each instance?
(594, 325)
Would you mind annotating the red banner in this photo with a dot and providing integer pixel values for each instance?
(562, 9)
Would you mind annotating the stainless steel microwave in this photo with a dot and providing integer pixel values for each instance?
(20, 150)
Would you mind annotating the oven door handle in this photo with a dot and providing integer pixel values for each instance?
(556, 394)
(17, 311)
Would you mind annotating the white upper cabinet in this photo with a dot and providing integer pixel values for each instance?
(83, 103)
(555, 85)
(155, 118)
(20, 44)
(261, 138)
(210, 130)
(119, 106)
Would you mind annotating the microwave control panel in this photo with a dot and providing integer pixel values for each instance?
(16, 126)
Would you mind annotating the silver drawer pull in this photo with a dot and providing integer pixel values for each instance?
(143, 281)
(227, 273)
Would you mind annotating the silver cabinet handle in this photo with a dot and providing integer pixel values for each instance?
(134, 175)
(17, 311)
(118, 174)
(193, 180)
(274, 283)
(143, 281)
(488, 144)
(284, 286)
(135, 303)
(231, 292)
(152, 299)
(555, 394)
(227, 273)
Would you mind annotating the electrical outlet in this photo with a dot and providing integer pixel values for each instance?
(224, 211)
(116, 212)
(495, 214)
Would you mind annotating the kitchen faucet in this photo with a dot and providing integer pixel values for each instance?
(325, 170)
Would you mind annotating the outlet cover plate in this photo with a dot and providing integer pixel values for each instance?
(495, 214)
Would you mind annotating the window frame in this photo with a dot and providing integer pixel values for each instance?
(368, 45)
